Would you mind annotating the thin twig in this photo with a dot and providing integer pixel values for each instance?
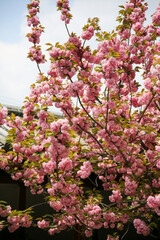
(125, 232)
(157, 105)
(89, 133)
(107, 109)
(146, 107)
(87, 112)
(39, 69)
(130, 109)
(67, 30)
(120, 151)
(36, 205)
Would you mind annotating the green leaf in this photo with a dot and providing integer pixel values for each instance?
(42, 154)
(47, 144)
(121, 6)
(49, 44)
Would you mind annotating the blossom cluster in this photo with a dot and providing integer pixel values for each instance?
(85, 170)
(88, 34)
(18, 221)
(63, 6)
(35, 53)
(141, 227)
(13, 219)
(3, 115)
(154, 202)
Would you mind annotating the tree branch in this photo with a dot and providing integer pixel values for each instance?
(146, 107)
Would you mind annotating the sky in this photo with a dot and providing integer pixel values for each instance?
(17, 72)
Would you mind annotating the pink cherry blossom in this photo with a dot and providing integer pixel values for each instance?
(104, 135)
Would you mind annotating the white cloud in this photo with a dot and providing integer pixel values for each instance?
(16, 72)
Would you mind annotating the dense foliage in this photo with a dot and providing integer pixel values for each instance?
(109, 134)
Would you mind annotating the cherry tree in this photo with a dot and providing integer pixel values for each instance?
(109, 135)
